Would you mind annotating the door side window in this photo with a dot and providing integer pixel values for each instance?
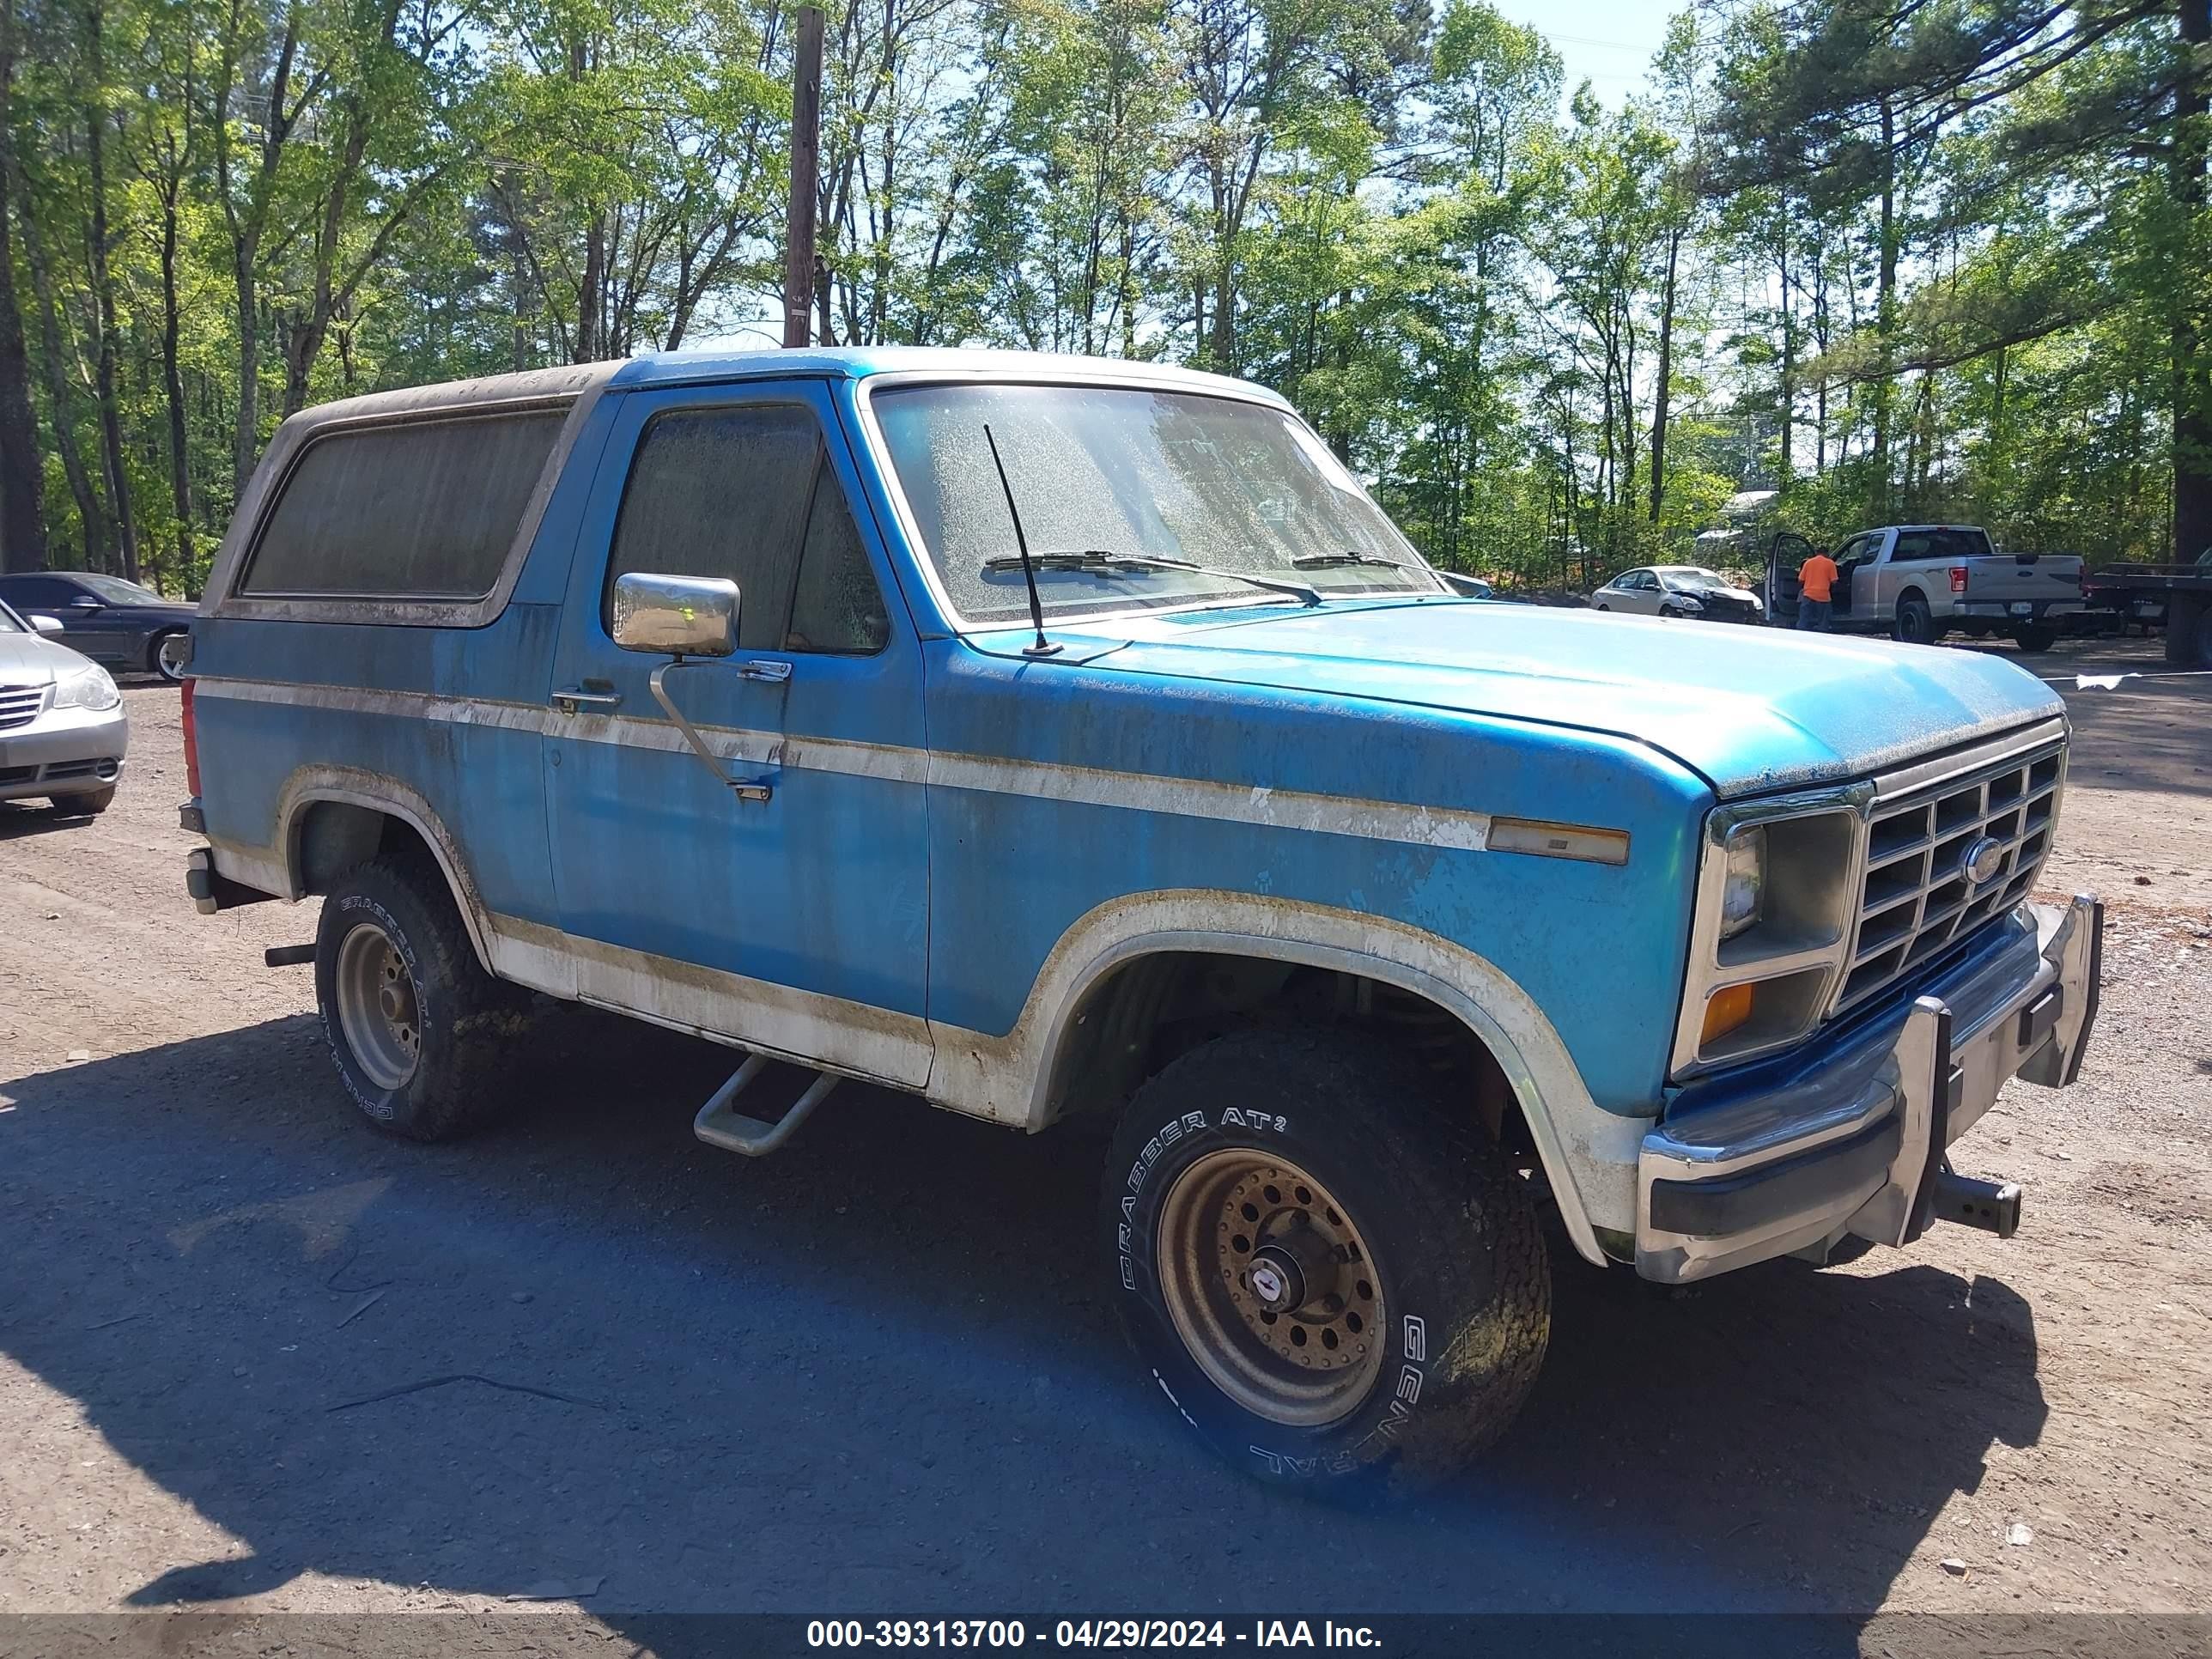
(838, 607)
(36, 591)
(746, 493)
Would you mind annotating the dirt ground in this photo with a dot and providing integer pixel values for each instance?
(254, 1358)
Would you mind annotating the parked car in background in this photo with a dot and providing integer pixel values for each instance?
(1917, 582)
(62, 732)
(124, 625)
(1055, 740)
(1679, 589)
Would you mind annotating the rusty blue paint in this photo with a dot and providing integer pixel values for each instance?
(873, 885)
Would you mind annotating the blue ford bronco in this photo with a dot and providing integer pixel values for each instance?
(1053, 738)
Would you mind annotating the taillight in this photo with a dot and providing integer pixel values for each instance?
(192, 745)
(1958, 579)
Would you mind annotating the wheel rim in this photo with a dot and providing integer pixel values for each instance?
(1271, 1288)
(378, 1008)
(170, 658)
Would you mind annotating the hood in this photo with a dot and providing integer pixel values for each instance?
(33, 660)
(1749, 710)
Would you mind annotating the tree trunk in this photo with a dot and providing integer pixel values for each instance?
(1661, 390)
(2192, 310)
(173, 380)
(22, 472)
(1886, 304)
(103, 293)
(61, 397)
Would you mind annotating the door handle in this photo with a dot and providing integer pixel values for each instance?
(762, 669)
(575, 700)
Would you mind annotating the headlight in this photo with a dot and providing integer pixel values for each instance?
(89, 687)
(1744, 889)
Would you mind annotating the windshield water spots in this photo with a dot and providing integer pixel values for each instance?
(1234, 485)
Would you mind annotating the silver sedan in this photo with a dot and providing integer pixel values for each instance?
(1679, 589)
(62, 732)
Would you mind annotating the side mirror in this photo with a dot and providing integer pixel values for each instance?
(44, 624)
(85, 602)
(1467, 588)
(676, 615)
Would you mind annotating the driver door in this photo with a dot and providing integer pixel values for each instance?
(1784, 559)
(791, 918)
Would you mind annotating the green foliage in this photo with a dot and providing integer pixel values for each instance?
(1949, 260)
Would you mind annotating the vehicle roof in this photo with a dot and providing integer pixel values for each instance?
(861, 362)
(662, 368)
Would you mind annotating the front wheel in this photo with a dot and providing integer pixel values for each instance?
(171, 655)
(1327, 1277)
(2035, 639)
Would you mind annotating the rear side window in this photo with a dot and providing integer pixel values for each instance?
(425, 510)
(1940, 544)
(748, 492)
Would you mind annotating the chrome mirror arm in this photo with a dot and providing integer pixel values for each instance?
(746, 788)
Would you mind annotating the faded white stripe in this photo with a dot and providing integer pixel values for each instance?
(1197, 798)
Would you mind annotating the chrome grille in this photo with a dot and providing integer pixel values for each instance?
(1918, 895)
(20, 704)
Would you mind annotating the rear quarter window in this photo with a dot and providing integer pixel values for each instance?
(426, 510)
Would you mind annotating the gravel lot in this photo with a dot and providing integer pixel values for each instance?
(254, 1358)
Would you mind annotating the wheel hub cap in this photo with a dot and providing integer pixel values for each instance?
(1271, 1287)
(378, 1010)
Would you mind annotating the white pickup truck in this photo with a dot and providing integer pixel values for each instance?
(1917, 582)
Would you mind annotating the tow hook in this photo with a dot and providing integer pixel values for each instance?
(1991, 1206)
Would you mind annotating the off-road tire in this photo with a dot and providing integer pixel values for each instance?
(87, 803)
(1450, 1232)
(1916, 622)
(2035, 639)
(468, 1021)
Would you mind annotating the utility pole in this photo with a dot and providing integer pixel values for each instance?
(805, 164)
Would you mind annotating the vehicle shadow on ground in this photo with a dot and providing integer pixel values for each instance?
(878, 1372)
(20, 819)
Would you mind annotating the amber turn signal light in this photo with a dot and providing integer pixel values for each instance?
(1724, 1012)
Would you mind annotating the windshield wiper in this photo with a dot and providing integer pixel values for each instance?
(1332, 561)
(1099, 560)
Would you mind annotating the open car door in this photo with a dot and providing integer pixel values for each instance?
(1785, 557)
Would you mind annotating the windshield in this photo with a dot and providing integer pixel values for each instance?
(116, 590)
(10, 622)
(1704, 581)
(1211, 481)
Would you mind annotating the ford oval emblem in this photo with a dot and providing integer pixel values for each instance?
(1984, 858)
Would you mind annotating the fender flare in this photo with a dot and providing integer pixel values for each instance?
(1589, 1154)
(377, 791)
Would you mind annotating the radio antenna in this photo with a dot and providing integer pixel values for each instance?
(1042, 647)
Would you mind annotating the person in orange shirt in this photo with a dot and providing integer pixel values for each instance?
(1816, 584)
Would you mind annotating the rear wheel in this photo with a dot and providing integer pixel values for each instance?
(1916, 623)
(419, 1030)
(1329, 1279)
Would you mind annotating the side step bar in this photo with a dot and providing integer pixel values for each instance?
(718, 1124)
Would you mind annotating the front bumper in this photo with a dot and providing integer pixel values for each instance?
(1851, 1138)
(63, 752)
